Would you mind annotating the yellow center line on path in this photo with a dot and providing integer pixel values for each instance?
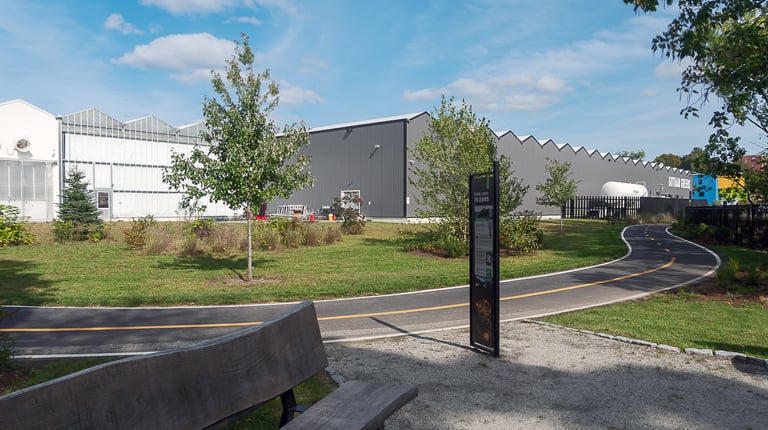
(590, 284)
(135, 327)
(338, 317)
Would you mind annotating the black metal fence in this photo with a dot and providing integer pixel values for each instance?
(619, 208)
(600, 207)
(745, 225)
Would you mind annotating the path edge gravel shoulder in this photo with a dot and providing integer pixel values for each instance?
(757, 361)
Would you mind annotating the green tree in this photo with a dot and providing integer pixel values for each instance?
(756, 184)
(634, 155)
(559, 188)
(79, 218)
(670, 160)
(724, 44)
(695, 161)
(458, 144)
(247, 159)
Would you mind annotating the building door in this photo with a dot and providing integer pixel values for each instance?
(104, 203)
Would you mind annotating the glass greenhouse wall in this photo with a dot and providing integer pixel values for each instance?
(124, 163)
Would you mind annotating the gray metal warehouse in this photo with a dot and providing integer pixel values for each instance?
(371, 157)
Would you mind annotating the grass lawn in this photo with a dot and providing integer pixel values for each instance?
(725, 313)
(107, 273)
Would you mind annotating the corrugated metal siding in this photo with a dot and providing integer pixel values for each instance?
(592, 168)
(417, 128)
(347, 159)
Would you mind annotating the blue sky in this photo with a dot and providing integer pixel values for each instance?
(577, 71)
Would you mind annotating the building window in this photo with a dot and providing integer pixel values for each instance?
(102, 199)
(23, 180)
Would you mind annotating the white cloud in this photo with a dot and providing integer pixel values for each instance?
(531, 81)
(501, 93)
(650, 92)
(116, 22)
(671, 69)
(181, 7)
(180, 52)
(422, 95)
(195, 75)
(292, 95)
(247, 20)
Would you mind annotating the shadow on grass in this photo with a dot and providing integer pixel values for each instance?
(405, 239)
(236, 264)
(21, 283)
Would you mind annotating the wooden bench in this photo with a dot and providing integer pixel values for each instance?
(206, 385)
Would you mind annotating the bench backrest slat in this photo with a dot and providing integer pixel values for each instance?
(186, 388)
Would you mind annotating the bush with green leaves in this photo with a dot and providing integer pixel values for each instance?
(136, 235)
(520, 233)
(266, 237)
(202, 228)
(441, 241)
(352, 221)
(13, 229)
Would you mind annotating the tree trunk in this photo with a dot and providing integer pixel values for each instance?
(249, 215)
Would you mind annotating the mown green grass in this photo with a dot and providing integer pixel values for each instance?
(708, 316)
(109, 274)
(680, 320)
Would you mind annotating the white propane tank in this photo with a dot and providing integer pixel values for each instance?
(623, 189)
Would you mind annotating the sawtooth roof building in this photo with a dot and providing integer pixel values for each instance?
(124, 160)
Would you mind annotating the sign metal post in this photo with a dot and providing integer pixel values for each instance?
(484, 261)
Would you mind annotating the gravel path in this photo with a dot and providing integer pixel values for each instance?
(553, 378)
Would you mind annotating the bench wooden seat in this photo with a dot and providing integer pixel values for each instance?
(206, 385)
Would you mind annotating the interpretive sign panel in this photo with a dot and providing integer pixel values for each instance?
(484, 261)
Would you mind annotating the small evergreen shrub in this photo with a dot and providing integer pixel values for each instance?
(79, 218)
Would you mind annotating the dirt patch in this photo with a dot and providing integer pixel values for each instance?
(428, 254)
(733, 295)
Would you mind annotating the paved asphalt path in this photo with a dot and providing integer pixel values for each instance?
(656, 261)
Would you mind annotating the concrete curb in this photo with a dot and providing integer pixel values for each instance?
(756, 361)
